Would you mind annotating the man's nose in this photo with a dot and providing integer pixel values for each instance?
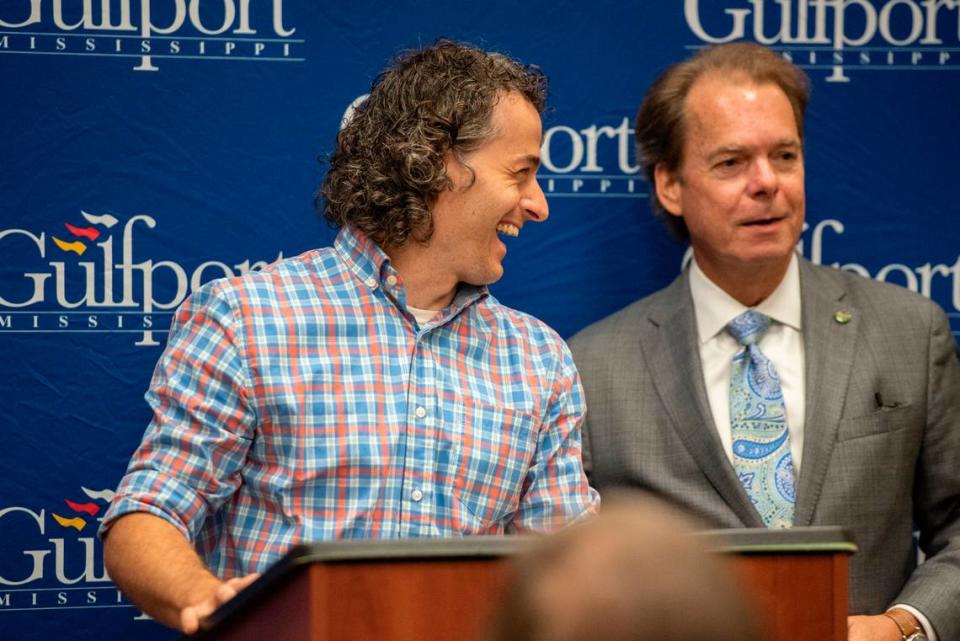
(534, 203)
(764, 180)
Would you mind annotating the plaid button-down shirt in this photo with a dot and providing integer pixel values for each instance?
(305, 403)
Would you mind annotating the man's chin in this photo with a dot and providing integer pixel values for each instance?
(764, 260)
(769, 249)
(483, 279)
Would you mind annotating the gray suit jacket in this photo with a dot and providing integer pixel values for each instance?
(872, 467)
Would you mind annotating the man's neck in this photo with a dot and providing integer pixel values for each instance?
(425, 285)
(750, 285)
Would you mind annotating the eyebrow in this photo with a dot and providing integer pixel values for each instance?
(533, 159)
(791, 143)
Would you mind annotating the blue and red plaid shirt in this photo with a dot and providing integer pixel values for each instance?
(304, 402)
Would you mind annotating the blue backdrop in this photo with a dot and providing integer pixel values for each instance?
(147, 146)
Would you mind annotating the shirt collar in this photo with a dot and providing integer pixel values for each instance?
(715, 308)
(364, 257)
(372, 266)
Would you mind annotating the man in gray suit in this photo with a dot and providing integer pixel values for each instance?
(841, 405)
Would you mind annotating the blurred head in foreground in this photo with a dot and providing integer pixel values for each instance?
(634, 573)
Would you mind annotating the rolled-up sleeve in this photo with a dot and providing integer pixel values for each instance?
(191, 456)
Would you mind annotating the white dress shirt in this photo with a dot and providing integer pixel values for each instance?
(782, 344)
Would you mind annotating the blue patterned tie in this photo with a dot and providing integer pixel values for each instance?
(758, 422)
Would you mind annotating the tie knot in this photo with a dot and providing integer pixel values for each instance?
(749, 327)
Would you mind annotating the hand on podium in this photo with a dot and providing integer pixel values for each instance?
(192, 615)
(872, 628)
(165, 578)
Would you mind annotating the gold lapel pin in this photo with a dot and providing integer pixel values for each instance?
(842, 317)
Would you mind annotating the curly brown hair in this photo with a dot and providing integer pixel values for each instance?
(388, 165)
(660, 124)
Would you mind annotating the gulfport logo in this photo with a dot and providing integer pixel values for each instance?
(51, 557)
(838, 37)
(823, 241)
(87, 276)
(939, 281)
(596, 160)
(150, 31)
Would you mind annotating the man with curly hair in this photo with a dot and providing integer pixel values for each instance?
(374, 389)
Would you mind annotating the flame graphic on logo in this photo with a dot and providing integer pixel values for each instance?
(88, 508)
(103, 495)
(90, 233)
(76, 246)
(106, 220)
(85, 232)
(75, 522)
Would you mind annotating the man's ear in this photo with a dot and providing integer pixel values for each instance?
(459, 174)
(668, 189)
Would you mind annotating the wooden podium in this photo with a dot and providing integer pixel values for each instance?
(797, 577)
(446, 589)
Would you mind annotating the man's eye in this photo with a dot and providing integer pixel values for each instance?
(728, 163)
(787, 157)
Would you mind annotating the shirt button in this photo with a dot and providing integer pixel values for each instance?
(416, 495)
(391, 280)
(371, 282)
(421, 412)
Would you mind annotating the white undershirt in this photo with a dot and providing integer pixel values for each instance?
(782, 344)
(423, 316)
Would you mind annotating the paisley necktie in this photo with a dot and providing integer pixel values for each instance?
(758, 422)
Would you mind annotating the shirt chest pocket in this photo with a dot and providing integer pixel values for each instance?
(494, 448)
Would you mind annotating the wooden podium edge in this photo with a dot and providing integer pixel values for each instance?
(820, 539)
(302, 556)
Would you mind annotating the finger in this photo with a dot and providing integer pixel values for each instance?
(224, 593)
(852, 627)
(241, 582)
(189, 620)
(193, 616)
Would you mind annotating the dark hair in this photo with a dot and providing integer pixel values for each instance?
(661, 121)
(388, 165)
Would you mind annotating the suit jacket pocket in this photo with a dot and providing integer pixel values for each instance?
(885, 420)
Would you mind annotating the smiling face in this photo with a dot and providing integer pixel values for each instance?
(739, 187)
(500, 197)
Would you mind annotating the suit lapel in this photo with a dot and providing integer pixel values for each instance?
(670, 345)
(828, 347)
